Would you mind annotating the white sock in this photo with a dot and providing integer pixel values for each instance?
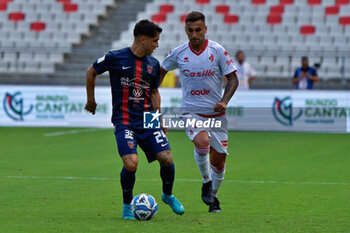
(217, 177)
(203, 165)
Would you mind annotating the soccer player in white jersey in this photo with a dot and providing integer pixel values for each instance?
(203, 64)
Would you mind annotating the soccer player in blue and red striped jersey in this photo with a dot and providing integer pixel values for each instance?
(134, 77)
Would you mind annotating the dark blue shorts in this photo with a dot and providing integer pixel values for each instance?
(151, 141)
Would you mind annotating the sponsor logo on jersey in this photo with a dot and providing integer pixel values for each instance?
(191, 74)
(211, 58)
(149, 69)
(200, 92)
(125, 81)
(186, 59)
(229, 62)
(137, 92)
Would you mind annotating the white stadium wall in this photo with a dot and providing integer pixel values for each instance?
(262, 110)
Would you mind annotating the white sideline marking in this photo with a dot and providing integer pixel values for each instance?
(76, 131)
(181, 180)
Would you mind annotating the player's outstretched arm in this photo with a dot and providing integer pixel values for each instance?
(90, 89)
(231, 87)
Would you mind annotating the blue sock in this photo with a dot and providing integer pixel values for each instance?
(127, 180)
(168, 175)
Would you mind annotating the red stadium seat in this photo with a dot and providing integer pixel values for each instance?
(313, 2)
(16, 16)
(166, 8)
(258, 2)
(202, 1)
(332, 10)
(222, 9)
(279, 9)
(159, 18)
(274, 19)
(286, 2)
(183, 18)
(3, 6)
(70, 7)
(307, 30)
(37, 26)
(341, 2)
(230, 19)
(63, 1)
(344, 21)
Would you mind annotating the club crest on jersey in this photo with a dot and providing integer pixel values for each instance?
(131, 144)
(224, 143)
(211, 58)
(186, 59)
(137, 92)
(149, 69)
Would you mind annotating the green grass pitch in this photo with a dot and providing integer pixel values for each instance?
(275, 182)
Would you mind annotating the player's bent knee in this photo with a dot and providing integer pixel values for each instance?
(130, 162)
(130, 167)
(165, 158)
(218, 165)
(218, 169)
(166, 161)
(218, 160)
(202, 150)
(201, 139)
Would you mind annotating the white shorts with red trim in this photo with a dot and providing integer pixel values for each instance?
(218, 135)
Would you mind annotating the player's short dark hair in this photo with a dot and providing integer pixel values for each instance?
(304, 58)
(195, 16)
(146, 28)
(239, 52)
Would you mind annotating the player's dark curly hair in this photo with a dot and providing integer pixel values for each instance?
(146, 28)
(195, 16)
